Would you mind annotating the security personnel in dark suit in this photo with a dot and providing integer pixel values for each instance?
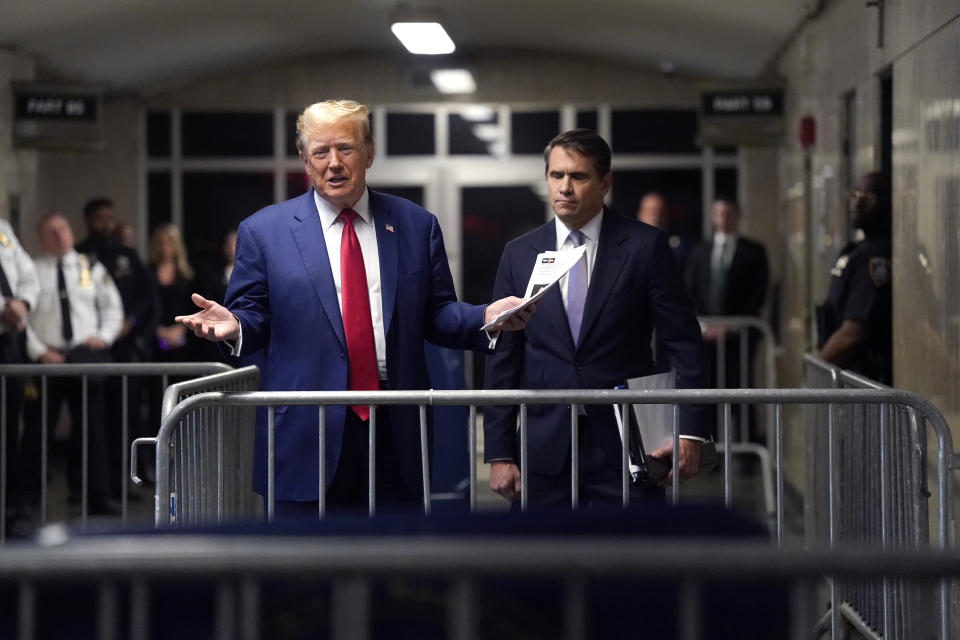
(728, 277)
(855, 323)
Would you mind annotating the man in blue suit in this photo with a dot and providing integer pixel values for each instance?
(592, 331)
(340, 287)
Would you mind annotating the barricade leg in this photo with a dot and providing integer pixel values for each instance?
(575, 611)
(472, 448)
(462, 610)
(351, 609)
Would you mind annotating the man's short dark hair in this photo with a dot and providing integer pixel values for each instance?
(93, 204)
(728, 200)
(587, 143)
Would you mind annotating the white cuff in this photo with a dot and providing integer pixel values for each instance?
(235, 347)
(697, 438)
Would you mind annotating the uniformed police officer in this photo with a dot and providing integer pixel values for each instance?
(132, 279)
(78, 316)
(20, 288)
(855, 324)
(135, 344)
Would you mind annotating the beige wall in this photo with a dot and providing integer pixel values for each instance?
(17, 167)
(838, 53)
(67, 179)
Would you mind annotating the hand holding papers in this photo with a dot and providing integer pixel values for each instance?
(549, 267)
(651, 438)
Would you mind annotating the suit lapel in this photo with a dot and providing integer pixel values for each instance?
(611, 255)
(385, 225)
(308, 233)
(551, 304)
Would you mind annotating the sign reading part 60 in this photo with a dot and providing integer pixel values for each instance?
(65, 106)
(743, 103)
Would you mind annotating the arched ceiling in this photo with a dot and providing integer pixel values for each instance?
(136, 44)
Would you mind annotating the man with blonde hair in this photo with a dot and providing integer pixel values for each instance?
(342, 285)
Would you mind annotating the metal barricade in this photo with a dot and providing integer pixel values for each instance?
(868, 466)
(745, 328)
(835, 401)
(126, 574)
(42, 373)
(209, 473)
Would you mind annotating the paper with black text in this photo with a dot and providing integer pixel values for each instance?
(548, 268)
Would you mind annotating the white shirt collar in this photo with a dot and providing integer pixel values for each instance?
(591, 230)
(69, 256)
(329, 213)
(720, 237)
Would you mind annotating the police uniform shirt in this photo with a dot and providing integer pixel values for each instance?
(18, 269)
(95, 305)
(129, 275)
(860, 291)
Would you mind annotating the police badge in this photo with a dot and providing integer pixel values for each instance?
(83, 264)
(879, 269)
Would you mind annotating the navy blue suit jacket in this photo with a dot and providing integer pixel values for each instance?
(635, 287)
(283, 293)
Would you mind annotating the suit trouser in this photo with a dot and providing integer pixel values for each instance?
(600, 480)
(69, 389)
(347, 491)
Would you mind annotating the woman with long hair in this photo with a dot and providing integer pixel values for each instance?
(173, 276)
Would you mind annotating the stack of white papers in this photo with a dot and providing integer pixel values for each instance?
(549, 267)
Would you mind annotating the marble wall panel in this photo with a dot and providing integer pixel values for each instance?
(927, 220)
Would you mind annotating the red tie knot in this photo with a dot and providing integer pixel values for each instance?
(348, 215)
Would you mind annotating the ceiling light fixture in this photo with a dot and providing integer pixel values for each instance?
(452, 81)
(424, 38)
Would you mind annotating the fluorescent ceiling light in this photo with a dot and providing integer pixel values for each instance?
(487, 132)
(423, 37)
(453, 81)
(477, 113)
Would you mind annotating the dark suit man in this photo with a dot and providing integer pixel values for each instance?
(728, 277)
(593, 331)
(341, 286)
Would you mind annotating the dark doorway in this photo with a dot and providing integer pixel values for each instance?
(492, 216)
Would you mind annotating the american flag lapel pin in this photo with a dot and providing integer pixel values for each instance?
(390, 228)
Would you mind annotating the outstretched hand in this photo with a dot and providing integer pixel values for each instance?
(214, 322)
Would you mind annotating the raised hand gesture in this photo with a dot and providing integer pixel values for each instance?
(212, 322)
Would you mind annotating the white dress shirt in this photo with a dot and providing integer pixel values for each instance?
(724, 246)
(18, 267)
(95, 305)
(591, 234)
(367, 237)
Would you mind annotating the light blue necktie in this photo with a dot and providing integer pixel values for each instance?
(576, 288)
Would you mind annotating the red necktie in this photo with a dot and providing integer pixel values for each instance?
(355, 309)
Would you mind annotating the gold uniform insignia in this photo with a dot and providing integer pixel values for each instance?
(5, 240)
(85, 281)
(838, 268)
(880, 271)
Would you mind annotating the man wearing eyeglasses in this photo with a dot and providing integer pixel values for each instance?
(855, 323)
